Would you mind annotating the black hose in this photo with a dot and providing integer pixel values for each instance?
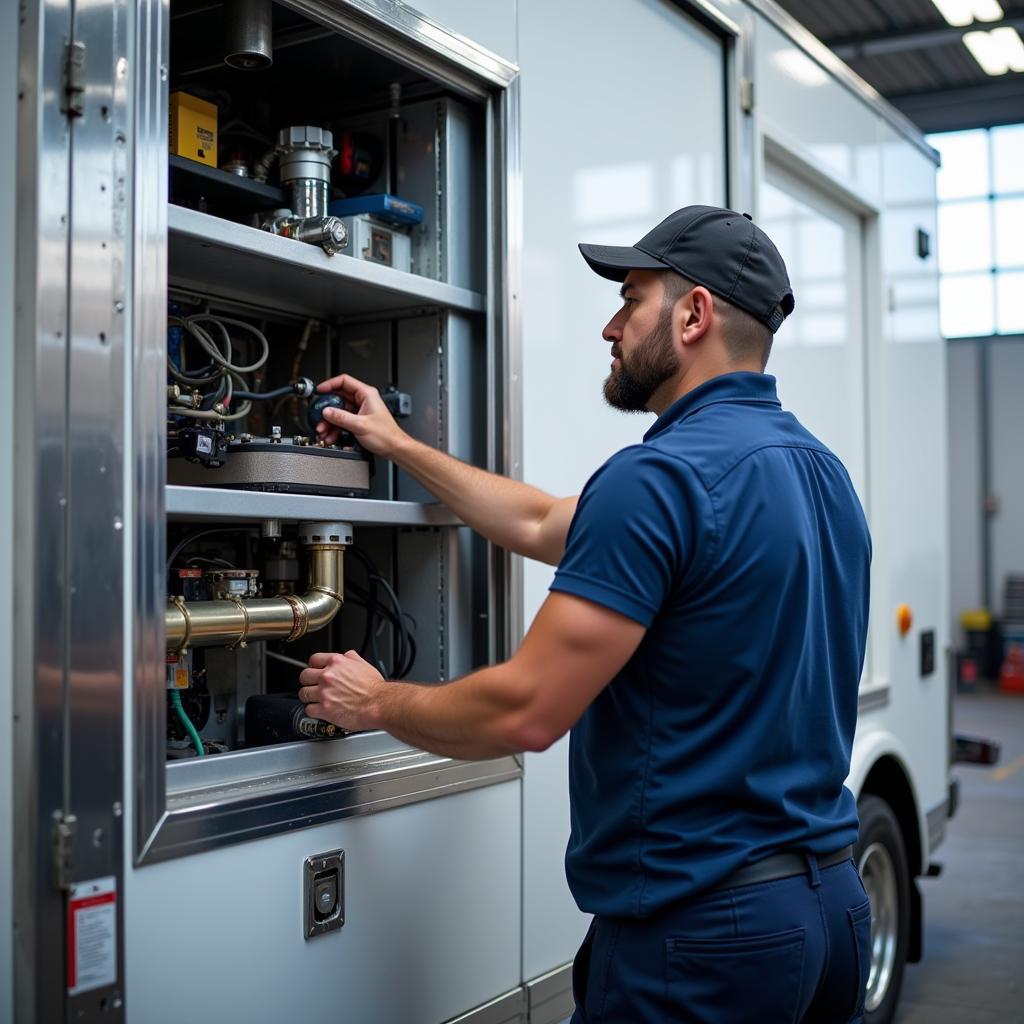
(264, 396)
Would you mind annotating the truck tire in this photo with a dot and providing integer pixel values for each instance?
(881, 858)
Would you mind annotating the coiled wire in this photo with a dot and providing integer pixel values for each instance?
(221, 371)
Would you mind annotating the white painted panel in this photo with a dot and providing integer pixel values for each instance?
(806, 110)
(910, 480)
(491, 24)
(965, 473)
(818, 354)
(1006, 416)
(914, 488)
(432, 924)
(610, 147)
(8, 119)
(911, 300)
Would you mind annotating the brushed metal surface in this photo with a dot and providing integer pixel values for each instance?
(550, 997)
(40, 505)
(255, 808)
(207, 504)
(507, 1009)
(211, 255)
(405, 34)
(147, 528)
(99, 285)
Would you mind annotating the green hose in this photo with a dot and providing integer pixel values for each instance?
(187, 722)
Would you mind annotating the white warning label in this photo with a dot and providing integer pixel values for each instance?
(92, 935)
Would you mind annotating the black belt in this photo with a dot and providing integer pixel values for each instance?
(780, 865)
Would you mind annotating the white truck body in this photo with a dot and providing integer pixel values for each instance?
(617, 114)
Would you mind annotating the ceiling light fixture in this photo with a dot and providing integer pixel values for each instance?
(998, 50)
(964, 12)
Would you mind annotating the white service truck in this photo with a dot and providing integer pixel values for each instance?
(177, 840)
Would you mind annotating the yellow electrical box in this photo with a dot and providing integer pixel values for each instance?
(193, 128)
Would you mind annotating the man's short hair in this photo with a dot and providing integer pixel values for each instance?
(746, 338)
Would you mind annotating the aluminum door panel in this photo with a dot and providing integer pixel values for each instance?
(432, 925)
(799, 103)
(909, 468)
(607, 152)
(818, 354)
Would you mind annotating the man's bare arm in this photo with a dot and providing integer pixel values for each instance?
(512, 514)
(572, 651)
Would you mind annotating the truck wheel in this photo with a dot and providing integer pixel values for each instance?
(882, 861)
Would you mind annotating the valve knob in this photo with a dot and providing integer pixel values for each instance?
(317, 406)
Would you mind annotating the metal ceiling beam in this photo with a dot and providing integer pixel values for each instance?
(880, 43)
(1000, 101)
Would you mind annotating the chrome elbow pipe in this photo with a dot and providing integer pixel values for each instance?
(236, 622)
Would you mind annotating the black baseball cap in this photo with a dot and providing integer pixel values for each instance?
(724, 251)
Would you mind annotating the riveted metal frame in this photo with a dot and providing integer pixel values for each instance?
(167, 827)
(40, 508)
(73, 186)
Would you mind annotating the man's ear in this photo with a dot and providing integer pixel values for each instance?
(694, 311)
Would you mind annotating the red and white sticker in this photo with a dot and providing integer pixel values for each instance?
(92, 935)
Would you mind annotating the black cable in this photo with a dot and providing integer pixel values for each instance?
(390, 591)
(378, 614)
(264, 396)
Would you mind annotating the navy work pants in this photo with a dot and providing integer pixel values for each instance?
(793, 951)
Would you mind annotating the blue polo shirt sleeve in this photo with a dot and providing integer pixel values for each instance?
(642, 532)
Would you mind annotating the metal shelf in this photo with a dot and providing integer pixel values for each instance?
(202, 504)
(234, 261)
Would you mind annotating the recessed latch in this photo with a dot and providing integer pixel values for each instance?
(63, 840)
(324, 893)
(74, 79)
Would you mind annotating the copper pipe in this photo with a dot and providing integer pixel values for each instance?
(234, 623)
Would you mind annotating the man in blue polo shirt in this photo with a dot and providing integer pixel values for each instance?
(703, 639)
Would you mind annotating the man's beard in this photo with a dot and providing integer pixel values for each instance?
(631, 386)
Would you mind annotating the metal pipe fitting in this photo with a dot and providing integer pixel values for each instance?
(329, 233)
(248, 34)
(235, 622)
(305, 152)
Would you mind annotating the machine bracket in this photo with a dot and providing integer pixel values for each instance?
(64, 826)
(74, 80)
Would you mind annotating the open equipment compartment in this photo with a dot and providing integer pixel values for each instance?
(274, 284)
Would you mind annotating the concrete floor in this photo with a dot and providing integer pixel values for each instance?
(973, 967)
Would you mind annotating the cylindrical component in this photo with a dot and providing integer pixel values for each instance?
(270, 528)
(248, 34)
(308, 197)
(236, 166)
(305, 152)
(236, 622)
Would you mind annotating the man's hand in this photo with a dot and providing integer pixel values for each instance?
(371, 424)
(342, 689)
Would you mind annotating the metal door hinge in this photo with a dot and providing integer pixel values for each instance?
(74, 79)
(747, 95)
(63, 849)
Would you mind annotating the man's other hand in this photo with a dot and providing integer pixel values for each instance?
(371, 424)
(342, 689)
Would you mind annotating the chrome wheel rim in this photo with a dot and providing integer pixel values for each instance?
(878, 873)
